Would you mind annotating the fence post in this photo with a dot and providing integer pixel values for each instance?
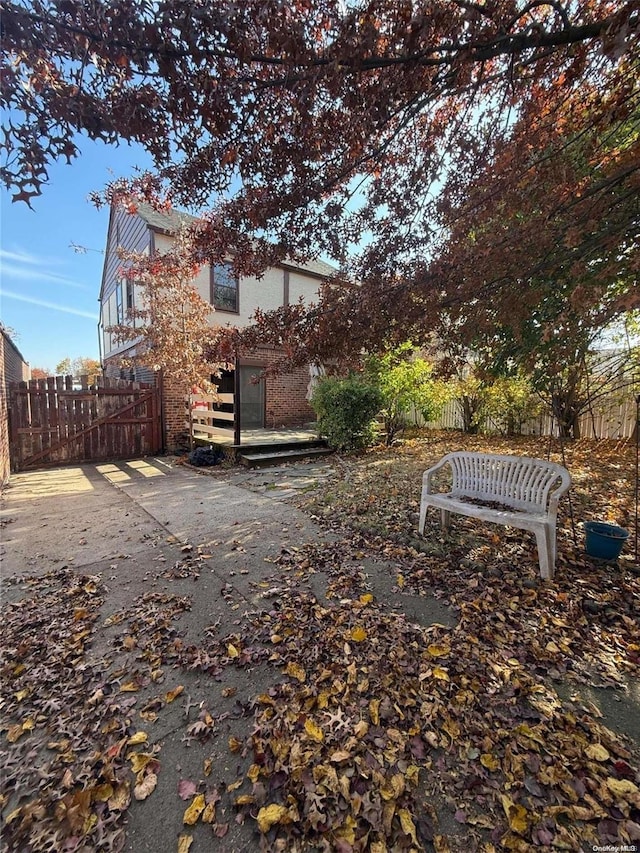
(190, 405)
(237, 426)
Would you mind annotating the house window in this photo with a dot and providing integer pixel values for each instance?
(119, 308)
(130, 295)
(224, 288)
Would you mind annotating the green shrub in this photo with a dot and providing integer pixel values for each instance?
(346, 408)
(471, 395)
(511, 403)
(406, 383)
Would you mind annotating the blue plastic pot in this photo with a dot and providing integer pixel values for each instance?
(604, 541)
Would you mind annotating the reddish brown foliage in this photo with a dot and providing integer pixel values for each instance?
(483, 155)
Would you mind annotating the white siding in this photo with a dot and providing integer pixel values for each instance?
(303, 286)
(109, 315)
(110, 320)
(266, 293)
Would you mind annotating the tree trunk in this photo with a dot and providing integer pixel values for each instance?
(567, 413)
(469, 406)
(575, 425)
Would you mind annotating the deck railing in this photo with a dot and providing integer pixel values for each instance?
(206, 418)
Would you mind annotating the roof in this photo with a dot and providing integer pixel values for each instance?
(8, 339)
(169, 223)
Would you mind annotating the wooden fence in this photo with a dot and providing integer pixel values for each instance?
(55, 422)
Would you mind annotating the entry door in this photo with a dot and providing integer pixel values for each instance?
(251, 399)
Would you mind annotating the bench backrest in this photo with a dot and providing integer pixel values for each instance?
(517, 481)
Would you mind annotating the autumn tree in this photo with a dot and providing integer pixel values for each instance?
(594, 376)
(575, 371)
(381, 133)
(570, 200)
(40, 372)
(546, 321)
(64, 367)
(80, 366)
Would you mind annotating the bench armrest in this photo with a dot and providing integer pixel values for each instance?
(557, 493)
(428, 475)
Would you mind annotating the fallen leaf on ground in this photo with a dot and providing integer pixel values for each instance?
(194, 810)
(171, 695)
(270, 815)
(145, 787)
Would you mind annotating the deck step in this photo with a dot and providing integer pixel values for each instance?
(278, 446)
(277, 457)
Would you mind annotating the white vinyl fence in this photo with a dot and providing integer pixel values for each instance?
(615, 419)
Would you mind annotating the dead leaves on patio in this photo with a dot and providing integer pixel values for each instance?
(381, 726)
(376, 734)
(374, 728)
(353, 756)
(64, 786)
(73, 757)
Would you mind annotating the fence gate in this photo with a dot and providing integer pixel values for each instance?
(54, 422)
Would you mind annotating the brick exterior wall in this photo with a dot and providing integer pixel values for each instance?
(286, 394)
(286, 404)
(174, 415)
(13, 368)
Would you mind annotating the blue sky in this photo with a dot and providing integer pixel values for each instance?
(48, 292)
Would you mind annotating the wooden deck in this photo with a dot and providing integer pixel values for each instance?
(253, 437)
(208, 416)
(207, 424)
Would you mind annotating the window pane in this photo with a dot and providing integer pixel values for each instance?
(130, 297)
(225, 298)
(119, 311)
(225, 288)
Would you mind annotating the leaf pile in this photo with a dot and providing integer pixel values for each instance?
(150, 629)
(69, 783)
(65, 784)
(585, 625)
(379, 721)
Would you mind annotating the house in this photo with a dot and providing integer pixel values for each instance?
(274, 402)
(13, 368)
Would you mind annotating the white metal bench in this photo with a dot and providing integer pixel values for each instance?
(525, 490)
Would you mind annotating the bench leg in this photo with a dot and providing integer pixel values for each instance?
(554, 547)
(423, 517)
(545, 541)
(445, 517)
